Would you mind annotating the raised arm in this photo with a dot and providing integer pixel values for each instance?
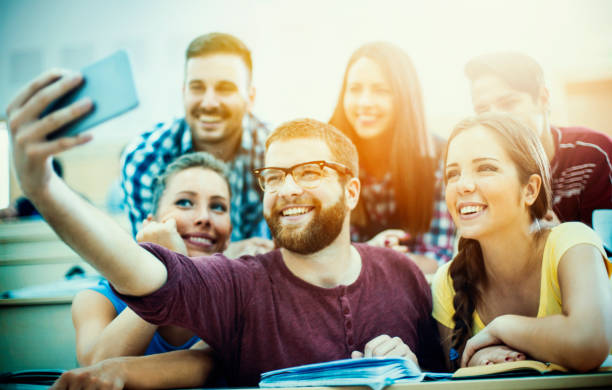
(87, 230)
(581, 337)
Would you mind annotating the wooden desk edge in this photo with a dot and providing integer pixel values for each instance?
(36, 301)
(569, 381)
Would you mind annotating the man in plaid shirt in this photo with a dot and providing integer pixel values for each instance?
(218, 96)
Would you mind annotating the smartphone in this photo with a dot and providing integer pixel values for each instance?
(109, 84)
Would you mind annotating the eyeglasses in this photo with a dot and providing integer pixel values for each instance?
(307, 175)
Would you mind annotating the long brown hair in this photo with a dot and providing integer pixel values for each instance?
(467, 269)
(412, 164)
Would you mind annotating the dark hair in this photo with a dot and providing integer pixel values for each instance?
(410, 155)
(467, 269)
(518, 70)
(186, 161)
(216, 42)
(341, 147)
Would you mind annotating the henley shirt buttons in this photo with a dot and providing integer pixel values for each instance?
(348, 322)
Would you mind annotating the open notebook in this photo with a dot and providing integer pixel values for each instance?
(518, 368)
(373, 372)
(380, 372)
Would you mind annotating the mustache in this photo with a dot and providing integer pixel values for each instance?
(215, 111)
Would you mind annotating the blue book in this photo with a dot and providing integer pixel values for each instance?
(373, 372)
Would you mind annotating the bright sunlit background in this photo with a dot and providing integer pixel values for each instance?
(300, 49)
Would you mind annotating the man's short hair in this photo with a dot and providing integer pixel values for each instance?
(518, 70)
(216, 42)
(343, 150)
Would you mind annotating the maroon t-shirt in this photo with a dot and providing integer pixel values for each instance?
(581, 173)
(258, 316)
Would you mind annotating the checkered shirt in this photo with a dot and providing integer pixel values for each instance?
(379, 201)
(148, 155)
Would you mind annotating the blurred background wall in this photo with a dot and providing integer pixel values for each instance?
(300, 50)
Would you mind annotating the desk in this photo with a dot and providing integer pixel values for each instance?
(32, 254)
(581, 381)
(36, 333)
(578, 381)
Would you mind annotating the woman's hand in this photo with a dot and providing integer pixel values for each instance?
(485, 338)
(495, 354)
(105, 375)
(391, 238)
(251, 246)
(162, 233)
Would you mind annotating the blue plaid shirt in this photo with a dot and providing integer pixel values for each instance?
(149, 154)
(379, 200)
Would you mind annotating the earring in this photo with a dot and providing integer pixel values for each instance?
(535, 225)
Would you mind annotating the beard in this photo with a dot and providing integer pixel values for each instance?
(321, 231)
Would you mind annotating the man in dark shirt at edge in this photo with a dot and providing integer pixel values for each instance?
(315, 299)
(580, 158)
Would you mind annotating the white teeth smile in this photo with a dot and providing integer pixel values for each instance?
(201, 240)
(295, 211)
(471, 209)
(209, 119)
(367, 118)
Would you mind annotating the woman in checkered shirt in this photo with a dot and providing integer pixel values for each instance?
(380, 107)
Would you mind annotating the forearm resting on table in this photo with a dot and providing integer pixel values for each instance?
(558, 338)
(176, 369)
(99, 240)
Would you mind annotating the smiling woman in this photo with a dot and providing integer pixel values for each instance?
(518, 287)
(380, 108)
(195, 193)
(191, 216)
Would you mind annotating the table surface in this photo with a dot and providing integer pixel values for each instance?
(570, 381)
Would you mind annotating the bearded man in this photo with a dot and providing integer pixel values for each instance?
(316, 298)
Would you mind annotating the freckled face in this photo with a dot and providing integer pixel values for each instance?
(199, 200)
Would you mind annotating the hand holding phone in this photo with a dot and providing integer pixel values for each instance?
(110, 86)
(30, 128)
